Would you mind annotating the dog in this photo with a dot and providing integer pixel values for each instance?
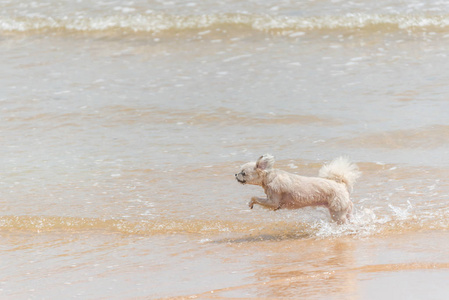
(286, 190)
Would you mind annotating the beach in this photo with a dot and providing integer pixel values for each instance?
(122, 124)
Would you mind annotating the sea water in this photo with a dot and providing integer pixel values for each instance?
(122, 124)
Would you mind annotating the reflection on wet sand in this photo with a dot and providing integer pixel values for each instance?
(299, 269)
(336, 268)
(292, 267)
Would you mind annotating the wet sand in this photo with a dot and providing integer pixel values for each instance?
(122, 125)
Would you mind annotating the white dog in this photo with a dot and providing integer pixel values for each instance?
(285, 190)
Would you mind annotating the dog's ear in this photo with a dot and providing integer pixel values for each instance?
(265, 162)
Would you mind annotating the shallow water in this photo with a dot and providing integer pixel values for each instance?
(123, 123)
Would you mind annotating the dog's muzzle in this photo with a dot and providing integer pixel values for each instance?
(239, 180)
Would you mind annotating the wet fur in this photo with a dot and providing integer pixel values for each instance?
(291, 191)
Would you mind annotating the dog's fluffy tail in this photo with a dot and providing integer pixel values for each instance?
(341, 170)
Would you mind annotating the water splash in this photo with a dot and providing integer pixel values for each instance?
(363, 223)
(401, 213)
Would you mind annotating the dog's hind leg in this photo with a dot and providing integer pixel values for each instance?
(340, 209)
(349, 211)
(266, 202)
(340, 217)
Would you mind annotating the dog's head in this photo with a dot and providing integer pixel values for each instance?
(253, 172)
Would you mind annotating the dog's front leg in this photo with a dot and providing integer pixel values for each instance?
(266, 202)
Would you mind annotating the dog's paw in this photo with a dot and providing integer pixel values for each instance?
(251, 203)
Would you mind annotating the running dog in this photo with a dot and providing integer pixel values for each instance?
(286, 190)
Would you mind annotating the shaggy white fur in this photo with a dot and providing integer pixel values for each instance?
(286, 190)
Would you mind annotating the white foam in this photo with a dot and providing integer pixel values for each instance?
(363, 223)
(401, 213)
(238, 57)
(292, 26)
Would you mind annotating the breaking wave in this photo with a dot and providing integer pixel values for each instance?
(364, 223)
(159, 23)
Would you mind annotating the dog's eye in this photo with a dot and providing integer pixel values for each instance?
(243, 173)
